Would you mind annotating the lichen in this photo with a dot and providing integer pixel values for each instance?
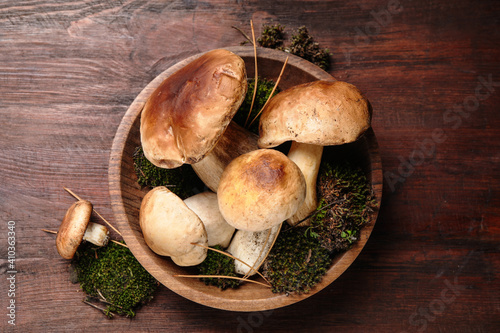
(113, 272)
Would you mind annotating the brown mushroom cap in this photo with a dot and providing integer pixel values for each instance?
(260, 189)
(186, 115)
(72, 228)
(320, 112)
(170, 227)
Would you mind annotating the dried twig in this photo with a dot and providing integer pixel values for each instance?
(233, 257)
(102, 218)
(256, 75)
(223, 277)
(272, 92)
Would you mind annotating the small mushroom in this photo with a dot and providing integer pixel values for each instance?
(260, 189)
(251, 248)
(76, 227)
(170, 228)
(313, 115)
(205, 205)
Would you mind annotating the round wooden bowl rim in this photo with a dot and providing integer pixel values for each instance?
(219, 299)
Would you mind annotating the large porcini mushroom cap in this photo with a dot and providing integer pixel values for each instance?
(72, 228)
(185, 116)
(321, 113)
(170, 228)
(260, 189)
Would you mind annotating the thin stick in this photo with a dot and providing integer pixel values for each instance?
(256, 74)
(223, 277)
(112, 240)
(272, 92)
(102, 218)
(233, 257)
(108, 313)
(244, 34)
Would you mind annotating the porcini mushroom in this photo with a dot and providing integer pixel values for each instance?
(260, 189)
(313, 115)
(76, 227)
(251, 248)
(170, 228)
(187, 114)
(205, 205)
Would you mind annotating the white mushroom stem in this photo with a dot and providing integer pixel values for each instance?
(308, 159)
(234, 142)
(205, 205)
(252, 248)
(97, 234)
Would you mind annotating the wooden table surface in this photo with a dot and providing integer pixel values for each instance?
(70, 69)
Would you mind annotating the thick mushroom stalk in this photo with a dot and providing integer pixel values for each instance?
(313, 115)
(205, 205)
(97, 234)
(252, 248)
(234, 142)
(308, 159)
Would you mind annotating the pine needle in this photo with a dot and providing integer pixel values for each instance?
(272, 92)
(256, 75)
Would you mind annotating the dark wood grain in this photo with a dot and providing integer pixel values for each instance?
(70, 70)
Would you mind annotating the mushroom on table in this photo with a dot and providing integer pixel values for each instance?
(313, 115)
(76, 227)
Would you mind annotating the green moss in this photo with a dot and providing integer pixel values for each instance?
(304, 46)
(183, 181)
(218, 264)
(272, 36)
(296, 262)
(346, 205)
(264, 89)
(302, 255)
(113, 272)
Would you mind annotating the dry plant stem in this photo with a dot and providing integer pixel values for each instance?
(256, 75)
(223, 277)
(233, 257)
(102, 218)
(244, 34)
(97, 307)
(272, 92)
(112, 240)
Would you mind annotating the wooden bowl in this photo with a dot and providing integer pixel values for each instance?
(126, 194)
